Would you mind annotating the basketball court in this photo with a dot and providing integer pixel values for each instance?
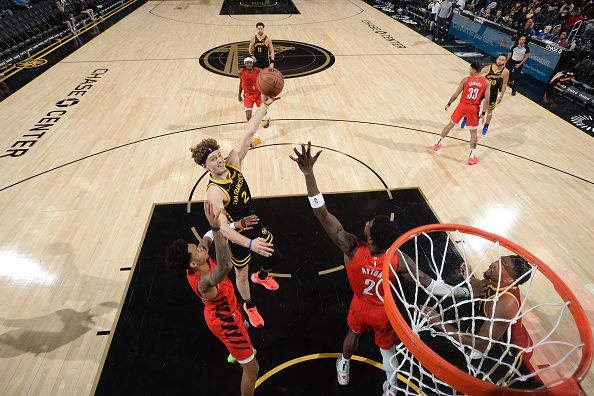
(95, 176)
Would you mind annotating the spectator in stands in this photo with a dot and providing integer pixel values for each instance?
(83, 8)
(498, 18)
(518, 55)
(562, 17)
(528, 30)
(515, 9)
(545, 34)
(507, 21)
(575, 18)
(488, 14)
(555, 34)
(481, 13)
(567, 7)
(443, 15)
(492, 5)
(65, 17)
(563, 41)
(21, 4)
(537, 16)
(431, 13)
(460, 4)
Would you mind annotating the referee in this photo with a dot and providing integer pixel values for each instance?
(518, 55)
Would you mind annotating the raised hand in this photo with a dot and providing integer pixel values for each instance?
(260, 246)
(212, 214)
(304, 159)
(247, 223)
(270, 99)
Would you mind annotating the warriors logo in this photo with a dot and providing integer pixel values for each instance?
(292, 58)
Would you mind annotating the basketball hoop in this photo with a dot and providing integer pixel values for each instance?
(562, 348)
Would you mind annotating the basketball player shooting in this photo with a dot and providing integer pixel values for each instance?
(229, 193)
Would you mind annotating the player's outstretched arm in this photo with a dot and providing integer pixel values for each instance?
(456, 93)
(216, 197)
(409, 270)
(239, 152)
(345, 241)
(223, 254)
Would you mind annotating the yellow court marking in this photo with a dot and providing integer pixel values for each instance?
(196, 235)
(332, 355)
(329, 271)
(280, 275)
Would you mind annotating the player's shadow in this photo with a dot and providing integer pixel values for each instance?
(62, 327)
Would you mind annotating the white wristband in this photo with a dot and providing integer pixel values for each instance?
(317, 201)
(209, 234)
(440, 288)
(231, 225)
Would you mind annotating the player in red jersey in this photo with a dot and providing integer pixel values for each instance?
(209, 281)
(364, 262)
(474, 89)
(251, 95)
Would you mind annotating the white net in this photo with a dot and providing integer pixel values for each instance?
(539, 343)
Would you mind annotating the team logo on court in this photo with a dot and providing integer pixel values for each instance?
(292, 58)
(31, 63)
(585, 122)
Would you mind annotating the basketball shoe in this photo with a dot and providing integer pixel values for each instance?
(472, 161)
(254, 316)
(343, 367)
(268, 283)
(266, 122)
(463, 123)
(255, 142)
(436, 147)
(485, 130)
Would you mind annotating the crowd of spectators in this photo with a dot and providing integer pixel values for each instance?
(566, 23)
(29, 25)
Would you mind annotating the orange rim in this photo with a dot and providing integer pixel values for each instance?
(451, 374)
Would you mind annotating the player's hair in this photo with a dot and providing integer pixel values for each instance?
(476, 66)
(260, 24)
(502, 54)
(383, 232)
(177, 257)
(203, 149)
(520, 267)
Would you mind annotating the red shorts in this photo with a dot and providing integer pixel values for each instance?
(470, 111)
(250, 99)
(232, 332)
(365, 317)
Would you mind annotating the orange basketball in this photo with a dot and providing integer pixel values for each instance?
(270, 83)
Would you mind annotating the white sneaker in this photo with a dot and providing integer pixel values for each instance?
(343, 367)
(389, 390)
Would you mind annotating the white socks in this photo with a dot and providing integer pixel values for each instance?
(472, 153)
(386, 356)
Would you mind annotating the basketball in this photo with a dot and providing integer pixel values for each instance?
(270, 83)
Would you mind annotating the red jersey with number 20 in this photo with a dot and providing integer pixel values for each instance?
(365, 271)
(474, 90)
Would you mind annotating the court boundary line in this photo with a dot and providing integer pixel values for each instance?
(361, 10)
(291, 119)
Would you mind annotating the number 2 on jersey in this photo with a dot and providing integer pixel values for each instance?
(370, 285)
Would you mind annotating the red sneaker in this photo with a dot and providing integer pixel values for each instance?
(472, 161)
(268, 283)
(254, 316)
(436, 147)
